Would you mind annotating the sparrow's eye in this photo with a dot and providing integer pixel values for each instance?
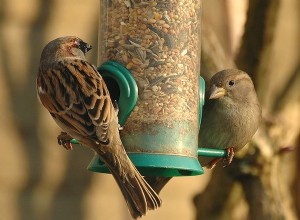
(231, 83)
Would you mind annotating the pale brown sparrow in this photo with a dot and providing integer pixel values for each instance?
(231, 114)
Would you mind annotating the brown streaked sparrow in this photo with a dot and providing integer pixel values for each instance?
(231, 114)
(74, 93)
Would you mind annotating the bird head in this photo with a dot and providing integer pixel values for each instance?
(69, 46)
(230, 84)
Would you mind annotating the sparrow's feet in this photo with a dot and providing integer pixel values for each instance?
(228, 159)
(65, 140)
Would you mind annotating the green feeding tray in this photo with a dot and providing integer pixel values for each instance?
(156, 165)
(161, 164)
(149, 160)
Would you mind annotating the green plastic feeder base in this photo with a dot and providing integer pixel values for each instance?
(156, 165)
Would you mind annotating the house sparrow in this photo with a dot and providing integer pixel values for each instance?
(231, 114)
(76, 96)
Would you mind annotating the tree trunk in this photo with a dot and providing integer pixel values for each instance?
(265, 170)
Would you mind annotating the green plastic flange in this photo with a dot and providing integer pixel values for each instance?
(127, 86)
(201, 98)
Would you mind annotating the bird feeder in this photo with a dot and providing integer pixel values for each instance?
(150, 56)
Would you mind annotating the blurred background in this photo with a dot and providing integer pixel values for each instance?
(41, 180)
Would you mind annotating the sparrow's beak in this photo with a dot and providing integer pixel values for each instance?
(84, 47)
(216, 92)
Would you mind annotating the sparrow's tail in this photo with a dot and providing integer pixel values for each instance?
(139, 195)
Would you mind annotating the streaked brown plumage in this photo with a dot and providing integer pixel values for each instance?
(76, 96)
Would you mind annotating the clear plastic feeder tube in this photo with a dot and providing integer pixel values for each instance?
(159, 42)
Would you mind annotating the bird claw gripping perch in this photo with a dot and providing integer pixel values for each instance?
(229, 157)
(65, 140)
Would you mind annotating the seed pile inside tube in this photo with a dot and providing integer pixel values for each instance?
(158, 41)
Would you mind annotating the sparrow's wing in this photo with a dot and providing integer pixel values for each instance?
(76, 95)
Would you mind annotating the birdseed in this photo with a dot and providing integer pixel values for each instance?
(159, 42)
